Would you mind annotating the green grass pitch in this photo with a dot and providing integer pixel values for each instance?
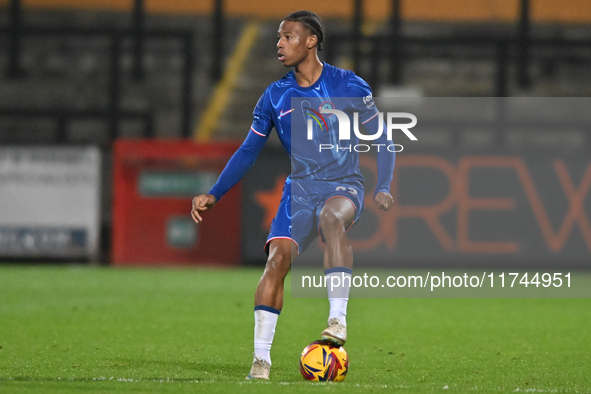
(73, 329)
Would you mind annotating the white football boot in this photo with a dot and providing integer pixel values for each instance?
(260, 369)
(335, 333)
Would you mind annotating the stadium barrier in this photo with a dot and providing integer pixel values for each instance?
(50, 202)
(154, 182)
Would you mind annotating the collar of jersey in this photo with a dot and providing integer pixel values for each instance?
(315, 84)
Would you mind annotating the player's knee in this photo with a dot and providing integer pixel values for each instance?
(330, 221)
(278, 264)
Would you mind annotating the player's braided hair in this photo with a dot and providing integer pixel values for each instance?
(310, 21)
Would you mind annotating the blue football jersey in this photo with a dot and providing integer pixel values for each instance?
(286, 106)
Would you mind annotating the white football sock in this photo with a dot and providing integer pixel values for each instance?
(338, 309)
(338, 284)
(265, 322)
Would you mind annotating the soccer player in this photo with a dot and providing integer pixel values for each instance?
(324, 193)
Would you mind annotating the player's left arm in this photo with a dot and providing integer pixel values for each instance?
(370, 120)
(385, 163)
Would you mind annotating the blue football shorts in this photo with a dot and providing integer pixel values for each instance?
(298, 215)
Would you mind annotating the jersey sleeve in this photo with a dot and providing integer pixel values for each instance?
(262, 116)
(362, 99)
(363, 103)
(385, 163)
(244, 158)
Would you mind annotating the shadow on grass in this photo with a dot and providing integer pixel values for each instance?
(97, 379)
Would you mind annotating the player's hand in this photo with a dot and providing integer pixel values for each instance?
(200, 204)
(384, 200)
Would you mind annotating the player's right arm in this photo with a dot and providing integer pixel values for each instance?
(241, 161)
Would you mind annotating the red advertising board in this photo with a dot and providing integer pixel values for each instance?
(154, 182)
